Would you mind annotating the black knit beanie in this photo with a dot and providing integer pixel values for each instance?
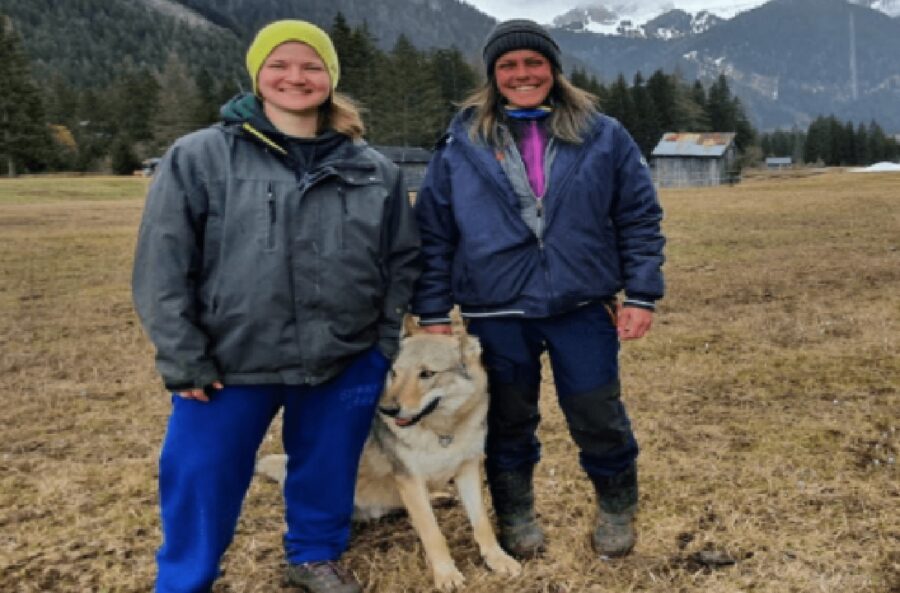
(518, 34)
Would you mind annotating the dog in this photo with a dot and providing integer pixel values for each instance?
(430, 428)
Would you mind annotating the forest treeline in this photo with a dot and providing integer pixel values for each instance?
(408, 96)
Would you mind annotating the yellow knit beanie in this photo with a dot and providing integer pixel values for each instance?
(274, 34)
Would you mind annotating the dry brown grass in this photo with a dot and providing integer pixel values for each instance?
(766, 401)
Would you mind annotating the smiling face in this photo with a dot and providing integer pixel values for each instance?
(293, 81)
(524, 77)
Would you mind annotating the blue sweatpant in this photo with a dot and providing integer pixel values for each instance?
(583, 346)
(208, 459)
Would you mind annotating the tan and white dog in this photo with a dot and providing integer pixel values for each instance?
(430, 428)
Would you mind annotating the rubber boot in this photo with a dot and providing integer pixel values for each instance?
(617, 499)
(513, 496)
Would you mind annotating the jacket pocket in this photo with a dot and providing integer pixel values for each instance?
(362, 203)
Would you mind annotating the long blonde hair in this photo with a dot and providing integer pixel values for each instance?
(342, 115)
(573, 111)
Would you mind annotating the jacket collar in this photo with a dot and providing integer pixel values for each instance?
(245, 112)
(486, 157)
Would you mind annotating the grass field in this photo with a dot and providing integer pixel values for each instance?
(766, 400)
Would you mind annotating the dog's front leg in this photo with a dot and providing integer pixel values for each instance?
(415, 497)
(468, 484)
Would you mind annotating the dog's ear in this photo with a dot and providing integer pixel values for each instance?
(470, 347)
(410, 326)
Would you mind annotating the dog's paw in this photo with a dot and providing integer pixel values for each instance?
(502, 563)
(448, 577)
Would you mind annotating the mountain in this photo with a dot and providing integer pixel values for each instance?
(635, 21)
(889, 7)
(86, 42)
(678, 23)
(89, 42)
(426, 23)
(681, 17)
(788, 60)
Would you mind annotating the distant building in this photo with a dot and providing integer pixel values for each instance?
(683, 159)
(412, 161)
(779, 162)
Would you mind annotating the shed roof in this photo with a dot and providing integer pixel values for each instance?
(711, 144)
(405, 154)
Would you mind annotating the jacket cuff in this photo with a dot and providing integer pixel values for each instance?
(435, 319)
(640, 301)
(204, 377)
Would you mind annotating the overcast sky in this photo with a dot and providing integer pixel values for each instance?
(543, 11)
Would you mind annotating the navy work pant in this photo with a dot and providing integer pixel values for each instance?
(584, 349)
(209, 454)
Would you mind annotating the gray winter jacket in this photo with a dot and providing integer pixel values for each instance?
(251, 271)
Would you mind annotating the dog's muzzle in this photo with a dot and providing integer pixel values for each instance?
(407, 422)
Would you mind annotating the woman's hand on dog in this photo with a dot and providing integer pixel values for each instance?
(199, 393)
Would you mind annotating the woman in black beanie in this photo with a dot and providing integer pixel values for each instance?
(535, 213)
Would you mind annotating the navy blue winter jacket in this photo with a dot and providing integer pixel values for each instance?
(601, 229)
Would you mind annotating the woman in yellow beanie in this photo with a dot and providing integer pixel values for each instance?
(274, 263)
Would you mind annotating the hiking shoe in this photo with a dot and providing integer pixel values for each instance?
(322, 577)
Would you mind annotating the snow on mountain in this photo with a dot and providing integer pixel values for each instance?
(889, 7)
(668, 19)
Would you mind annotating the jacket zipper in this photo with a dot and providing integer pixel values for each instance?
(343, 197)
(270, 234)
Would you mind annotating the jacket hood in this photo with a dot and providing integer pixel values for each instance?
(246, 111)
(246, 108)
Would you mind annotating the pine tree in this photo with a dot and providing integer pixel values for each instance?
(849, 152)
(132, 101)
(180, 104)
(24, 136)
(692, 107)
(745, 134)
(818, 142)
(619, 103)
(862, 144)
(645, 129)
(362, 65)
(798, 143)
(580, 79)
(409, 101)
(877, 143)
(123, 161)
(720, 107)
(455, 78)
(662, 91)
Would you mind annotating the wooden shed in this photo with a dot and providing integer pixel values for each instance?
(412, 161)
(683, 159)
